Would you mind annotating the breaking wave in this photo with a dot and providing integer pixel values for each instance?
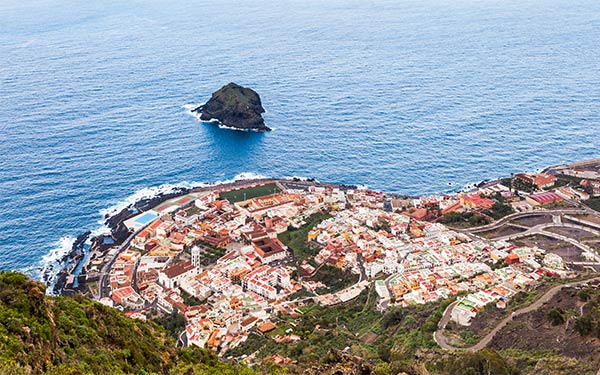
(51, 263)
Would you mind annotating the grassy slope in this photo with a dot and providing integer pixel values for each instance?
(66, 335)
(297, 239)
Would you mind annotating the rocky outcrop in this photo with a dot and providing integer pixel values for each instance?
(236, 107)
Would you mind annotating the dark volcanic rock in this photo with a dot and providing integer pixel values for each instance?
(234, 106)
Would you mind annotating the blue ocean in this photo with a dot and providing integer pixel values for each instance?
(403, 96)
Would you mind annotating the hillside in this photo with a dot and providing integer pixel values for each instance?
(75, 335)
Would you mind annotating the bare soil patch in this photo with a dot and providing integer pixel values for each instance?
(577, 234)
(532, 221)
(592, 218)
(567, 251)
(534, 332)
(505, 230)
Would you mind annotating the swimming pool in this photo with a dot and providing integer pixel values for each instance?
(145, 218)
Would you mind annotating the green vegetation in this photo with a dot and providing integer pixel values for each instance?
(395, 337)
(556, 316)
(321, 329)
(202, 362)
(173, 323)
(75, 335)
(239, 195)
(335, 278)
(464, 219)
(209, 254)
(520, 185)
(192, 211)
(588, 324)
(297, 239)
(593, 203)
(585, 325)
(300, 294)
(190, 300)
(468, 337)
(584, 295)
(506, 181)
(499, 210)
(563, 180)
(483, 362)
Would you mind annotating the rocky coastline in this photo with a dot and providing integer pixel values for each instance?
(66, 281)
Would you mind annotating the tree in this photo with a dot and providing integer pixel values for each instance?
(584, 325)
(173, 323)
(584, 295)
(556, 316)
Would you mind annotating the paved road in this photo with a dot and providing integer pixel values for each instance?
(106, 268)
(440, 339)
(540, 229)
(582, 221)
(519, 215)
(363, 272)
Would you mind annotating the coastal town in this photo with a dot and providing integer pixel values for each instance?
(234, 260)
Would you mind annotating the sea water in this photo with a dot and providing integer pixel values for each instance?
(414, 97)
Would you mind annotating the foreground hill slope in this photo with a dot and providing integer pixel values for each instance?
(75, 335)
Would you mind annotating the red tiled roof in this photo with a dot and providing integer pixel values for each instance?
(246, 322)
(178, 269)
(543, 179)
(546, 197)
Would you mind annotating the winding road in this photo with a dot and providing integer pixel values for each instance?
(441, 340)
(518, 215)
(540, 229)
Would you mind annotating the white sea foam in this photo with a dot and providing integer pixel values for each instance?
(144, 193)
(50, 266)
(469, 187)
(221, 126)
(50, 263)
(189, 110)
(190, 107)
(154, 191)
(301, 178)
(197, 115)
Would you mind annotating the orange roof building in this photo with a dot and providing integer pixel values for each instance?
(475, 201)
(266, 327)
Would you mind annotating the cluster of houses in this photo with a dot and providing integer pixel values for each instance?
(526, 266)
(484, 197)
(422, 261)
(221, 264)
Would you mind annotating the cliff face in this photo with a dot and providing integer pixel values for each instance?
(234, 106)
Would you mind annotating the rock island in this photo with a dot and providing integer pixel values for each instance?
(235, 107)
